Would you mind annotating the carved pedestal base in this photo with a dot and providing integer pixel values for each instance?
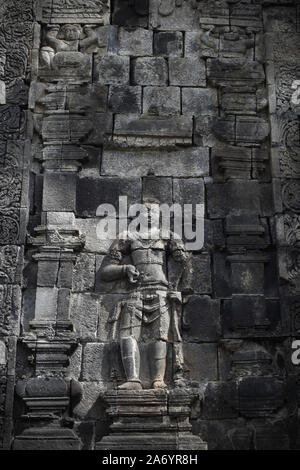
(47, 438)
(150, 420)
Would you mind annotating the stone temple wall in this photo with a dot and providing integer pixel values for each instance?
(168, 101)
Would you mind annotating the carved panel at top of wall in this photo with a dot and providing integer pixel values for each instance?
(75, 11)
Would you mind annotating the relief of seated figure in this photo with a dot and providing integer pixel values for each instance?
(66, 44)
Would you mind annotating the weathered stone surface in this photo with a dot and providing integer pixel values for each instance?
(135, 42)
(168, 44)
(200, 361)
(236, 197)
(59, 192)
(187, 72)
(85, 263)
(220, 401)
(84, 315)
(97, 362)
(92, 192)
(158, 190)
(112, 70)
(125, 99)
(150, 71)
(199, 102)
(161, 101)
(128, 13)
(235, 71)
(188, 190)
(169, 163)
(201, 319)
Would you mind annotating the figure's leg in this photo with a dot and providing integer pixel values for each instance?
(158, 362)
(130, 331)
(131, 362)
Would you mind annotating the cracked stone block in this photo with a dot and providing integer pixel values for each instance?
(125, 99)
(188, 71)
(168, 44)
(197, 276)
(150, 71)
(161, 101)
(135, 42)
(199, 102)
(84, 315)
(112, 70)
(85, 263)
(201, 319)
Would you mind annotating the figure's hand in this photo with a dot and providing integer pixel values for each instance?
(175, 296)
(132, 273)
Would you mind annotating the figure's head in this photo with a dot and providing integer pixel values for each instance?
(71, 32)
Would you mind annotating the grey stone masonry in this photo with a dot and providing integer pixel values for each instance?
(110, 340)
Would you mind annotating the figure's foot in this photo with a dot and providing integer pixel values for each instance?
(131, 386)
(159, 384)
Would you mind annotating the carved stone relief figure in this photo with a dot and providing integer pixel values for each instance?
(151, 311)
(68, 38)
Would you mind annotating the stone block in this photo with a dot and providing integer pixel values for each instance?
(251, 130)
(199, 102)
(161, 101)
(195, 46)
(97, 362)
(247, 278)
(149, 131)
(92, 192)
(197, 276)
(130, 13)
(200, 361)
(47, 273)
(201, 319)
(188, 191)
(150, 71)
(238, 103)
(91, 406)
(168, 44)
(236, 197)
(188, 71)
(235, 72)
(84, 315)
(98, 11)
(260, 396)
(185, 163)
(125, 99)
(135, 42)
(93, 244)
(112, 70)
(251, 316)
(230, 162)
(46, 303)
(157, 190)
(84, 272)
(204, 134)
(222, 276)
(59, 192)
(170, 16)
(75, 128)
(219, 401)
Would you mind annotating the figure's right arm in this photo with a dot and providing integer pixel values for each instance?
(112, 270)
(51, 37)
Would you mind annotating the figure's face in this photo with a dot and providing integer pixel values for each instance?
(179, 255)
(71, 33)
